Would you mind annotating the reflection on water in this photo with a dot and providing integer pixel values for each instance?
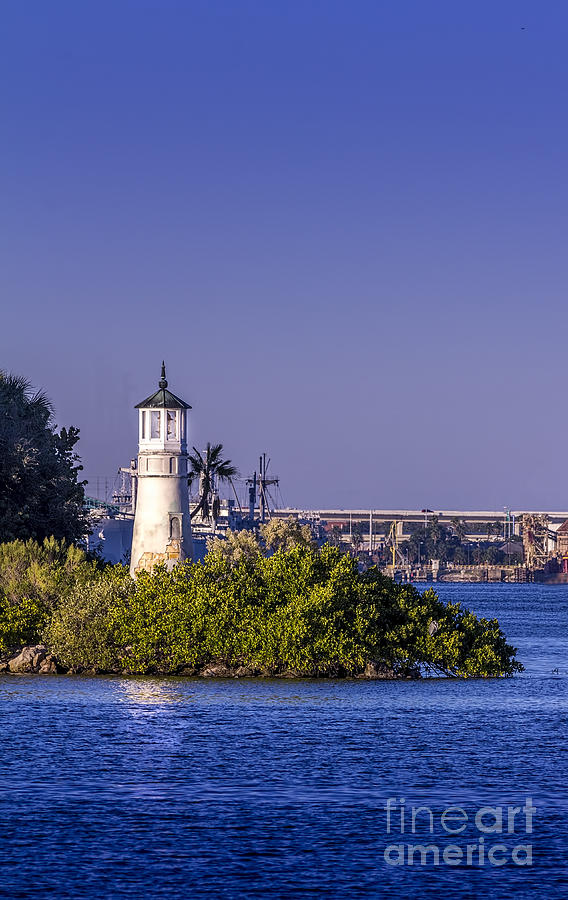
(183, 787)
(142, 693)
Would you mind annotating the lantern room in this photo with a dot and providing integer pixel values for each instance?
(162, 422)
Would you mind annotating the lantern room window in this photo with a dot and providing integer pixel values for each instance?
(171, 426)
(143, 430)
(155, 424)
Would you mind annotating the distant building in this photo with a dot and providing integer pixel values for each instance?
(111, 537)
(562, 545)
(162, 526)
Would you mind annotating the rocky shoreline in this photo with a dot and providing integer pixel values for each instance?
(30, 661)
(38, 660)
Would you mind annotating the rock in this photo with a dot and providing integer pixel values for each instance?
(48, 666)
(39, 657)
(413, 672)
(23, 662)
(3, 667)
(377, 670)
(245, 672)
(31, 660)
(217, 670)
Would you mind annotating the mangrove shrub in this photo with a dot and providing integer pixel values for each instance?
(301, 611)
(35, 579)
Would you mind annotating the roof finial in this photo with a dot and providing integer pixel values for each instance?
(162, 383)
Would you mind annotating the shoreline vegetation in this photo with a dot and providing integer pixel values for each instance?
(298, 612)
(269, 603)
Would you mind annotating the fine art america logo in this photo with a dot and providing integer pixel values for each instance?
(457, 837)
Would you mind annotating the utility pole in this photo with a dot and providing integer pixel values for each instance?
(252, 496)
(370, 532)
(507, 524)
(393, 535)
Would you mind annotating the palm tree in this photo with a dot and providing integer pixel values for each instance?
(357, 530)
(20, 407)
(210, 468)
(459, 527)
(334, 536)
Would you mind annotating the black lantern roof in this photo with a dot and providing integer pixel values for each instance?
(163, 399)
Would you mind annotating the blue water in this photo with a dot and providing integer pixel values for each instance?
(130, 788)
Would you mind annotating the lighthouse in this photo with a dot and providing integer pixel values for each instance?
(162, 526)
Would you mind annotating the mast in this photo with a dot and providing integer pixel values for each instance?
(264, 483)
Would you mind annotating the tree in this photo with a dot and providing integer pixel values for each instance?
(210, 469)
(357, 531)
(334, 536)
(435, 530)
(40, 494)
(460, 556)
(235, 547)
(494, 555)
(459, 528)
(415, 547)
(493, 528)
(283, 534)
(278, 534)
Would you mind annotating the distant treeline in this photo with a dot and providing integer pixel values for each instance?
(448, 543)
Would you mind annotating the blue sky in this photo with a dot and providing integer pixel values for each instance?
(342, 224)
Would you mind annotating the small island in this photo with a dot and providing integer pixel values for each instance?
(265, 602)
(298, 612)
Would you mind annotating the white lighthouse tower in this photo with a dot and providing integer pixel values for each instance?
(162, 526)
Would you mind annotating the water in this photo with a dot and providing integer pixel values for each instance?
(130, 788)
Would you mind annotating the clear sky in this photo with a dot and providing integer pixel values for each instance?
(342, 223)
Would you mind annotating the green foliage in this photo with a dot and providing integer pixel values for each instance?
(34, 579)
(21, 624)
(277, 534)
(283, 534)
(235, 547)
(301, 610)
(445, 638)
(83, 628)
(40, 494)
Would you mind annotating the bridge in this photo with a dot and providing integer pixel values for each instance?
(380, 520)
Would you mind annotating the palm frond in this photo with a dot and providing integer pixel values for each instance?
(197, 463)
(226, 470)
